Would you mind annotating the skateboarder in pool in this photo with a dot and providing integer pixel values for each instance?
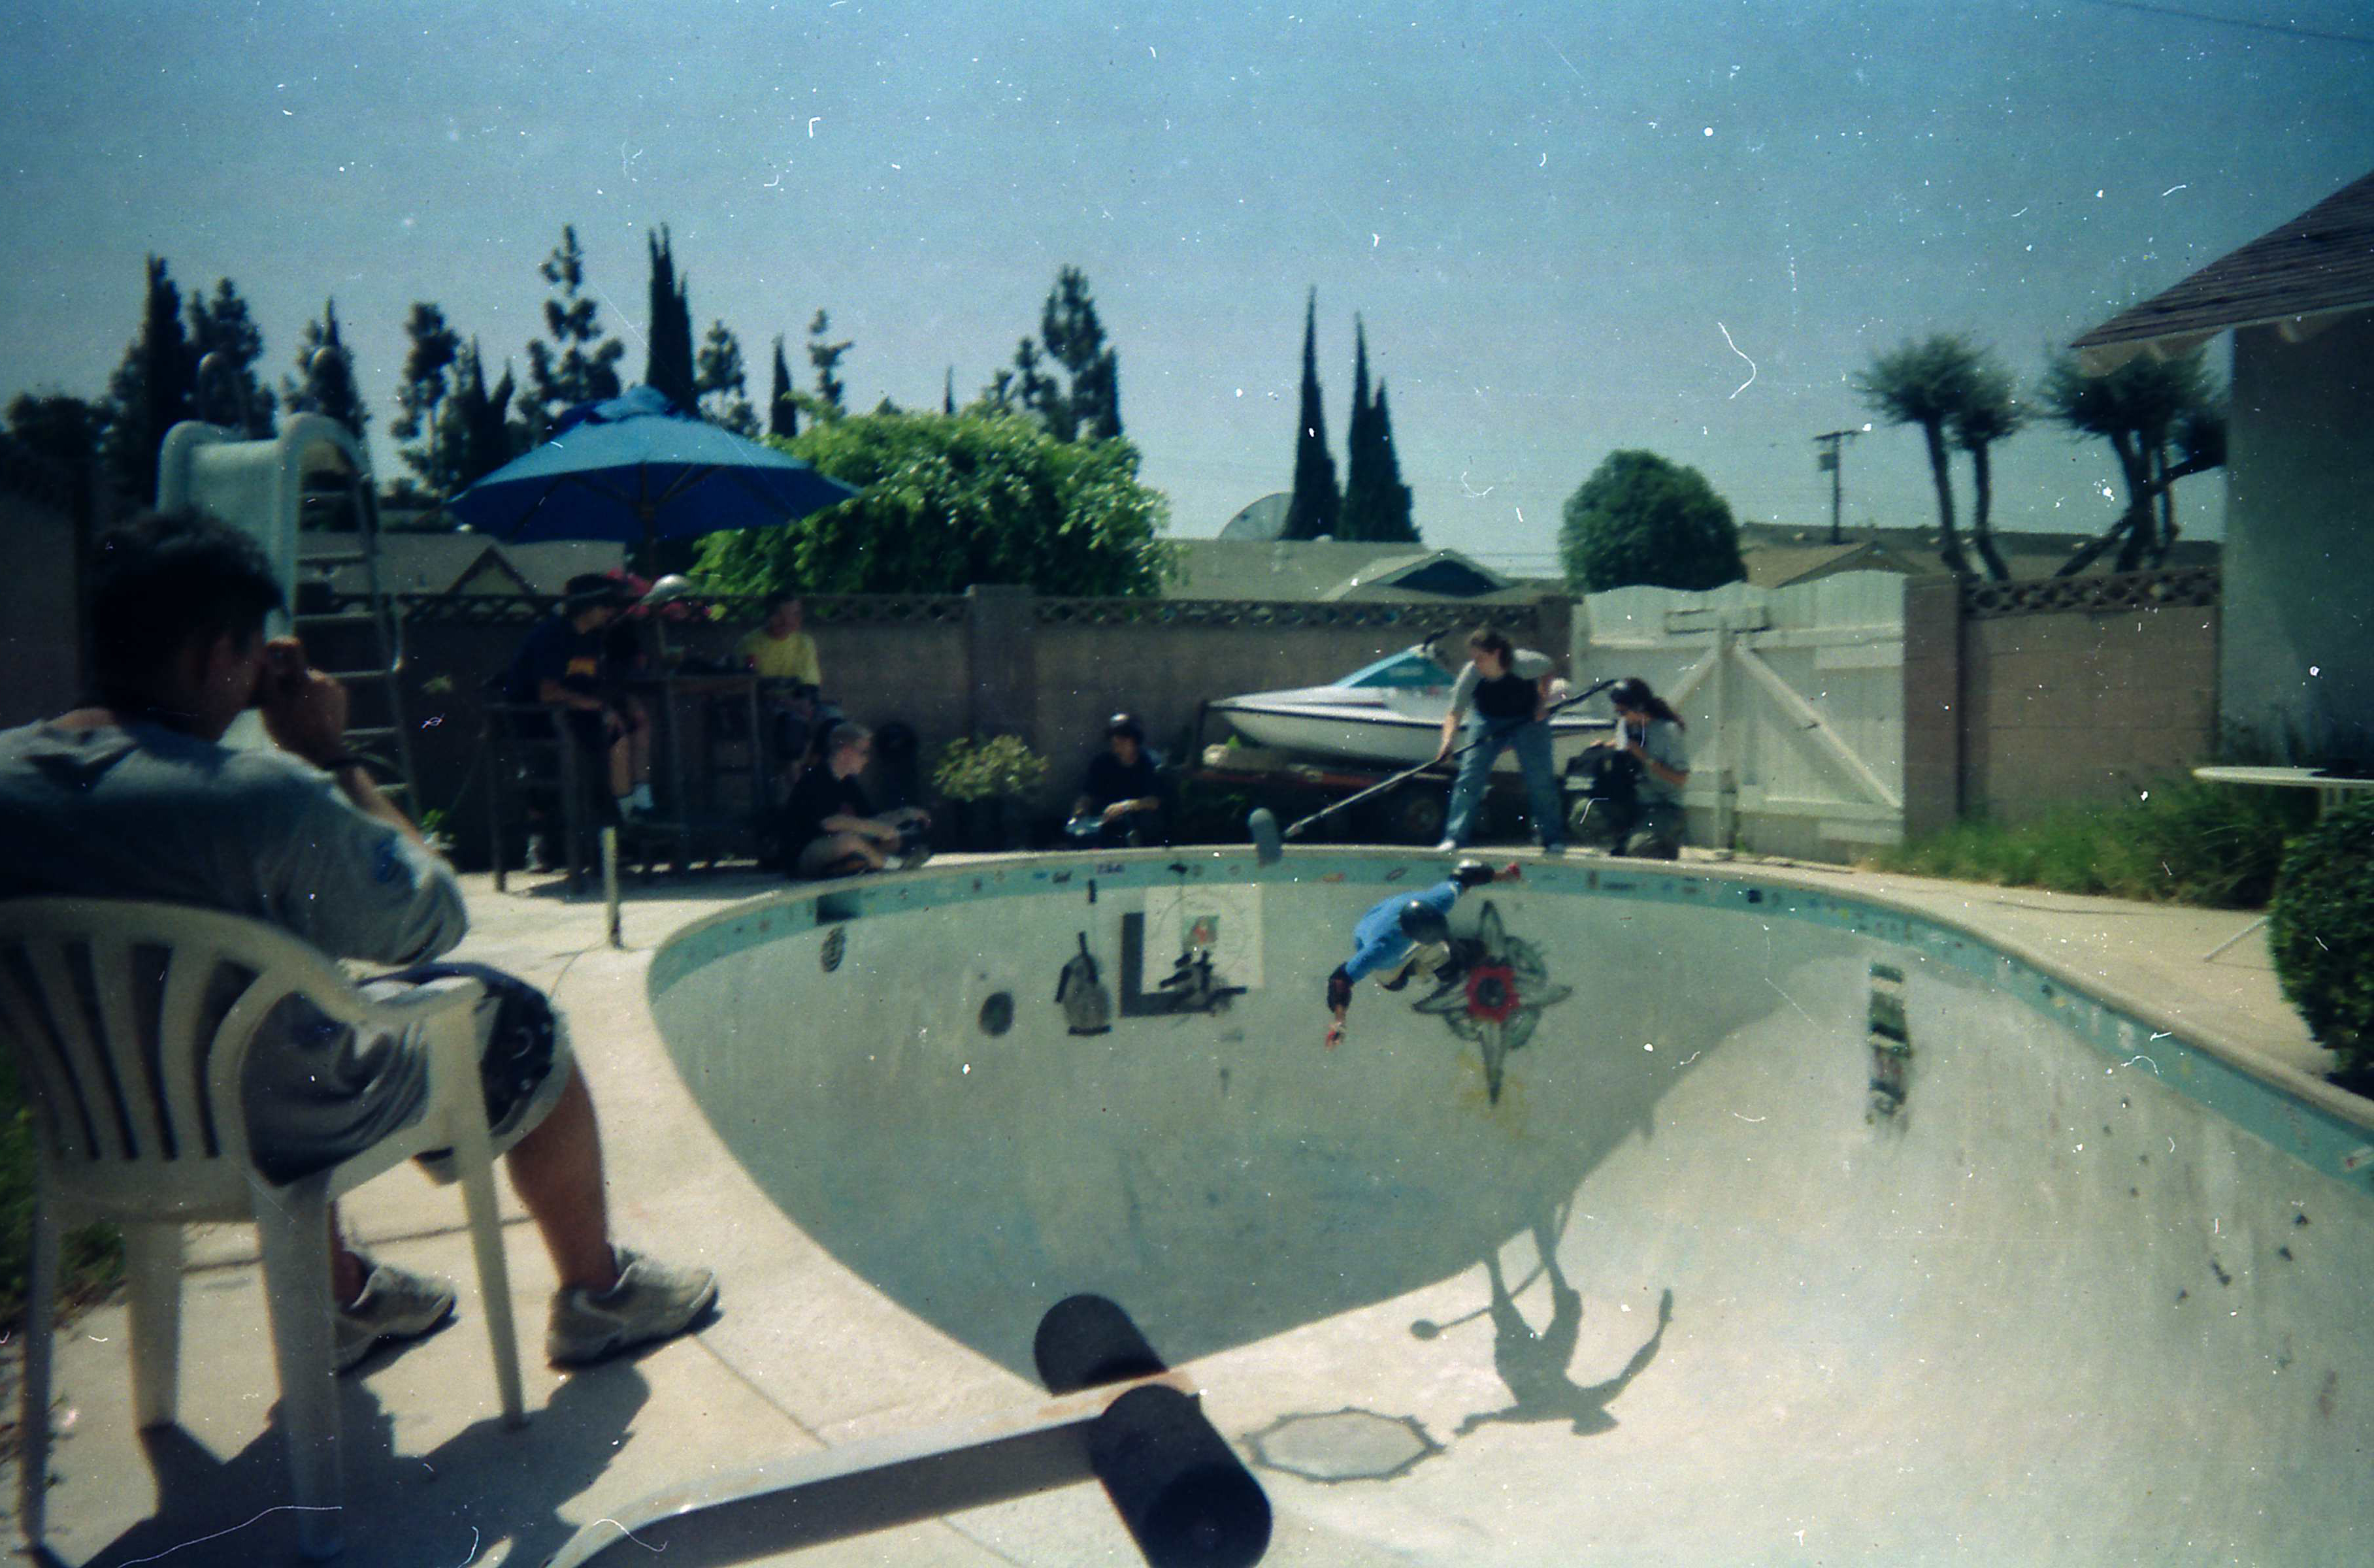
(1404, 934)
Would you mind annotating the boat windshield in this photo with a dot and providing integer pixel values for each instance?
(1411, 668)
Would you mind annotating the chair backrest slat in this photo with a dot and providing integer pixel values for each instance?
(45, 1070)
(139, 1074)
(189, 970)
(85, 1056)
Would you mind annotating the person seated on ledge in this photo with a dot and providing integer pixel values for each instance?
(830, 830)
(1650, 732)
(1120, 798)
(563, 665)
(133, 796)
(1405, 934)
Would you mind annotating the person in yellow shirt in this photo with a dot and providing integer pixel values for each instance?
(782, 654)
(781, 650)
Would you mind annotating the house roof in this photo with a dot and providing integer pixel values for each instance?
(1312, 569)
(1778, 553)
(2319, 264)
(448, 563)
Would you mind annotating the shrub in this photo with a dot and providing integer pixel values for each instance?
(1640, 519)
(2184, 842)
(2321, 933)
(982, 770)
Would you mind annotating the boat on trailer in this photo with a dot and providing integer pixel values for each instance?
(1387, 712)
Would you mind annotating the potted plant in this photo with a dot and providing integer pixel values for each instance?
(986, 781)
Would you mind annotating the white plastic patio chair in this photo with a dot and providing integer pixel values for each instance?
(138, 1119)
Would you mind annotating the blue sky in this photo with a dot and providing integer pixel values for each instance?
(1567, 230)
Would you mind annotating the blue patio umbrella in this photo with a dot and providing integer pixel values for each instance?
(636, 469)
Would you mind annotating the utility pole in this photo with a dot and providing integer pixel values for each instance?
(1833, 443)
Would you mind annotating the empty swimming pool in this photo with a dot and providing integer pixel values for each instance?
(1707, 1219)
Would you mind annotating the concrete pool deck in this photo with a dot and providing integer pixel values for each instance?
(805, 1356)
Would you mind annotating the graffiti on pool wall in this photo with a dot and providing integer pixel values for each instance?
(1493, 994)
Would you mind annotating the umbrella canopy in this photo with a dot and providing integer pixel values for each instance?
(635, 469)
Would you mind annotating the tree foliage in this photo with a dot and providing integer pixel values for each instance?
(668, 359)
(720, 385)
(224, 348)
(420, 396)
(577, 364)
(52, 449)
(1076, 395)
(825, 356)
(1376, 502)
(1642, 520)
(1316, 506)
(782, 406)
(2165, 419)
(152, 388)
(950, 502)
(325, 381)
(1926, 383)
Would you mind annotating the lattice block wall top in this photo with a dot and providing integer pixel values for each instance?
(2194, 586)
(885, 609)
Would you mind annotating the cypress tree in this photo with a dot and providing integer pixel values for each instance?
(1316, 506)
(151, 389)
(1358, 517)
(1394, 519)
(782, 408)
(825, 357)
(668, 363)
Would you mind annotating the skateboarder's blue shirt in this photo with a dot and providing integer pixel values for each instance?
(1378, 940)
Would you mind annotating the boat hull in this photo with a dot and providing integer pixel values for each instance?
(1375, 734)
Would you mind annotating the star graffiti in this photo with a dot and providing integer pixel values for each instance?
(1498, 998)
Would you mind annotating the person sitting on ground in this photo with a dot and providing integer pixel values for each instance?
(133, 796)
(1512, 691)
(783, 654)
(1650, 732)
(1405, 934)
(563, 665)
(829, 829)
(1120, 798)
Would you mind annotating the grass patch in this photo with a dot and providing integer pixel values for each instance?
(2182, 843)
(90, 1260)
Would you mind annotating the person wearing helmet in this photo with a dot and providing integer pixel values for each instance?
(1120, 798)
(1403, 935)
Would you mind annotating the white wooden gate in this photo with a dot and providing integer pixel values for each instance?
(1792, 700)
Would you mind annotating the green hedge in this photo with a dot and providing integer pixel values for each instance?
(2320, 930)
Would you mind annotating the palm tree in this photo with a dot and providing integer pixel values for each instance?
(1926, 383)
(2164, 418)
(1991, 412)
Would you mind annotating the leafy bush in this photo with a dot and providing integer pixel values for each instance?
(983, 770)
(1641, 520)
(2321, 933)
(2186, 843)
(951, 500)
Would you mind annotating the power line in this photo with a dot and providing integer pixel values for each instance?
(2361, 41)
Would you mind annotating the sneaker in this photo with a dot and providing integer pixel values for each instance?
(910, 858)
(395, 1304)
(1448, 846)
(542, 854)
(651, 1301)
(1552, 851)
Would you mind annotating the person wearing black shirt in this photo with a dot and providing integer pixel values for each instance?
(829, 828)
(1120, 798)
(563, 664)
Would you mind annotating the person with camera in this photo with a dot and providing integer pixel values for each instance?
(1648, 745)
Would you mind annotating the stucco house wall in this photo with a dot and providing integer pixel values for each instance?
(2298, 674)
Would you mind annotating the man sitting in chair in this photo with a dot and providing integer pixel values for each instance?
(135, 796)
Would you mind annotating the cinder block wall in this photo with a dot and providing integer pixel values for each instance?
(990, 664)
(2076, 706)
